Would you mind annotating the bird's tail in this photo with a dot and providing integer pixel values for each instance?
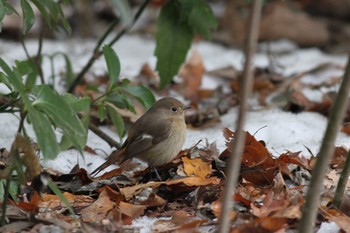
(115, 158)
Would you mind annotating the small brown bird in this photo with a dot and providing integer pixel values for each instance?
(156, 137)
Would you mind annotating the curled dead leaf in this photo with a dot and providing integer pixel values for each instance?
(97, 210)
(196, 167)
(192, 73)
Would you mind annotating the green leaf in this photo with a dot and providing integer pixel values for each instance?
(8, 8)
(5, 80)
(44, 132)
(69, 69)
(202, 19)
(113, 64)
(123, 10)
(2, 11)
(102, 113)
(31, 80)
(142, 94)
(58, 193)
(78, 105)
(66, 26)
(62, 115)
(13, 189)
(28, 16)
(44, 13)
(117, 100)
(117, 120)
(54, 9)
(25, 67)
(129, 104)
(41, 124)
(173, 39)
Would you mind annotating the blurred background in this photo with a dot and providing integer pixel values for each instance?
(308, 23)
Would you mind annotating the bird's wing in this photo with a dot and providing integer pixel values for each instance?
(154, 133)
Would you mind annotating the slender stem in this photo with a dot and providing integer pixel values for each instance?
(4, 203)
(340, 104)
(104, 136)
(21, 122)
(38, 57)
(94, 56)
(234, 162)
(97, 53)
(343, 179)
(35, 61)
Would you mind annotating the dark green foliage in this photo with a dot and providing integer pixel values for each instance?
(178, 22)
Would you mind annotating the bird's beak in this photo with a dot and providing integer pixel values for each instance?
(187, 107)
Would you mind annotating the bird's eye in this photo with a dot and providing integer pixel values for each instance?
(174, 109)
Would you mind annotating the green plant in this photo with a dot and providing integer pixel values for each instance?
(179, 21)
(39, 104)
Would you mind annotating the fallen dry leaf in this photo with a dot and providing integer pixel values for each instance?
(258, 167)
(215, 206)
(97, 210)
(271, 203)
(52, 202)
(194, 181)
(191, 74)
(132, 211)
(131, 191)
(339, 157)
(196, 167)
(272, 224)
(181, 221)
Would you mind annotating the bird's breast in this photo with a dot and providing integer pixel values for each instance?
(165, 151)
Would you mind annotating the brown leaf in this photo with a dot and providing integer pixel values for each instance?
(97, 210)
(346, 128)
(196, 167)
(181, 221)
(112, 194)
(271, 203)
(216, 208)
(130, 210)
(272, 224)
(32, 206)
(53, 202)
(191, 74)
(153, 201)
(339, 157)
(129, 192)
(295, 158)
(194, 181)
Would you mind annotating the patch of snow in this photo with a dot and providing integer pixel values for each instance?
(278, 46)
(145, 223)
(328, 227)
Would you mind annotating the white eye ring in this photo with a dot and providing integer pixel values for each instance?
(174, 109)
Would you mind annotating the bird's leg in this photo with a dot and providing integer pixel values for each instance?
(158, 176)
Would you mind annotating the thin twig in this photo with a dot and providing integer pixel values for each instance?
(97, 52)
(94, 56)
(35, 61)
(343, 180)
(38, 57)
(338, 109)
(5, 202)
(234, 162)
(104, 136)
